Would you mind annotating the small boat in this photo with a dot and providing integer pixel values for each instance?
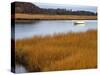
(79, 23)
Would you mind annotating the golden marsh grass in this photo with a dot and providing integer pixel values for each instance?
(53, 17)
(59, 52)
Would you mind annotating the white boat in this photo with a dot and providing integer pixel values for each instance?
(79, 23)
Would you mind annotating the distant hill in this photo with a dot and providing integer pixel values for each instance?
(25, 7)
(30, 8)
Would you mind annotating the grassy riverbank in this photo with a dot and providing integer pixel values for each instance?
(58, 52)
(19, 16)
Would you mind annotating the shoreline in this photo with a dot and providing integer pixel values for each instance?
(19, 16)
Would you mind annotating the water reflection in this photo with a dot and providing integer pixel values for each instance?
(50, 27)
(26, 21)
(20, 69)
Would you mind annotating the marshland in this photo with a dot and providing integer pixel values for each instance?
(53, 37)
(19, 16)
(59, 52)
(58, 45)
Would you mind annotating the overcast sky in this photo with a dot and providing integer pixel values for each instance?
(73, 7)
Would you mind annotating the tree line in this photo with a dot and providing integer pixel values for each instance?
(29, 8)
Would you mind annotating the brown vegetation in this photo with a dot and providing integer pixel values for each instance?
(53, 17)
(58, 52)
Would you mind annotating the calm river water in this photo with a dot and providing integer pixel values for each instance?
(46, 27)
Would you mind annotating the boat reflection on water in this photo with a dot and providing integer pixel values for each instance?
(79, 23)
